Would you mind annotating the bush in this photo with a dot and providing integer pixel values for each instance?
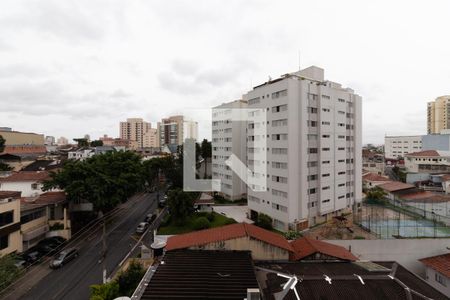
(210, 217)
(264, 221)
(201, 223)
(129, 279)
(292, 235)
(358, 237)
(230, 221)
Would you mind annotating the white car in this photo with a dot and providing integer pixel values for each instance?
(142, 227)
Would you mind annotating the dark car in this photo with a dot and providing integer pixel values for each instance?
(50, 245)
(64, 257)
(31, 256)
(149, 218)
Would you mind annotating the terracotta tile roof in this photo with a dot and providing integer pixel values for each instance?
(446, 177)
(305, 247)
(426, 153)
(51, 198)
(374, 177)
(440, 263)
(10, 194)
(25, 149)
(395, 186)
(26, 176)
(224, 233)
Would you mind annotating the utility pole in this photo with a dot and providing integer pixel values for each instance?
(104, 252)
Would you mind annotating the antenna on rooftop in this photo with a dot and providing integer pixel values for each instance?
(299, 56)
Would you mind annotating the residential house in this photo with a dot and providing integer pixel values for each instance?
(438, 272)
(371, 180)
(28, 182)
(428, 161)
(396, 189)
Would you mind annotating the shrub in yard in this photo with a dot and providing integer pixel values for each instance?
(264, 221)
(201, 223)
(229, 221)
(358, 237)
(210, 217)
(292, 235)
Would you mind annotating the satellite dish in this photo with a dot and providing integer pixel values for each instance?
(123, 298)
(289, 285)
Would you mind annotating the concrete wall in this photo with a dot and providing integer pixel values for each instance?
(15, 239)
(24, 186)
(260, 250)
(404, 251)
(436, 142)
(430, 277)
(22, 138)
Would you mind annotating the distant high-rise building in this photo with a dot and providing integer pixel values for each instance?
(228, 137)
(50, 140)
(313, 145)
(139, 131)
(438, 115)
(62, 141)
(174, 129)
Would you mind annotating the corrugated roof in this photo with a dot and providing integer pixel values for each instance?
(26, 176)
(439, 263)
(305, 247)
(395, 186)
(224, 233)
(374, 177)
(426, 153)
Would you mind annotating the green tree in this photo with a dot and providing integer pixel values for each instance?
(97, 143)
(206, 152)
(104, 180)
(181, 205)
(107, 291)
(129, 279)
(201, 223)
(264, 221)
(82, 142)
(8, 271)
(2, 144)
(376, 195)
(3, 166)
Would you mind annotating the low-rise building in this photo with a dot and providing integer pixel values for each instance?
(428, 161)
(395, 189)
(264, 244)
(42, 217)
(371, 180)
(438, 272)
(10, 237)
(399, 146)
(28, 182)
(373, 162)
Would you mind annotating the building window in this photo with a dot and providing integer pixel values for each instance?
(312, 110)
(34, 186)
(253, 101)
(325, 149)
(439, 278)
(312, 123)
(325, 123)
(312, 163)
(312, 150)
(312, 177)
(279, 108)
(326, 175)
(312, 191)
(279, 94)
(325, 188)
(6, 218)
(4, 242)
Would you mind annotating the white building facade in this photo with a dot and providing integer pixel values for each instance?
(314, 159)
(228, 137)
(395, 146)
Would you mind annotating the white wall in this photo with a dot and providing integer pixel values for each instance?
(407, 252)
(395, 146)
(24, 187)
(430, 277)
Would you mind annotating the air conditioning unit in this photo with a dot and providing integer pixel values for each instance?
(253, 294)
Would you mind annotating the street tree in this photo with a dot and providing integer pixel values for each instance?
(180, 204)
(206, 152)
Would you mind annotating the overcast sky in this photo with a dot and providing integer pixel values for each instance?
(68, 68)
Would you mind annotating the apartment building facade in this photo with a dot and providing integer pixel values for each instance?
(138, 131)
(174, 129)
(10, 236)
(399, 146)
(314, 159)
(228, 137)
(438, 115)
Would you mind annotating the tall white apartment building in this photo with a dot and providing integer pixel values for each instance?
(398, 146)
(228, 137)
(314, 159)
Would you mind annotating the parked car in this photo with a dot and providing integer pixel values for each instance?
(142, 227)
(149, 218)
(31, 256)
(64, 257)
(163, 201)
(20, 264)
(49, 245)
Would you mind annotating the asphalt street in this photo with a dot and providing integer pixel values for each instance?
(72, 281)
